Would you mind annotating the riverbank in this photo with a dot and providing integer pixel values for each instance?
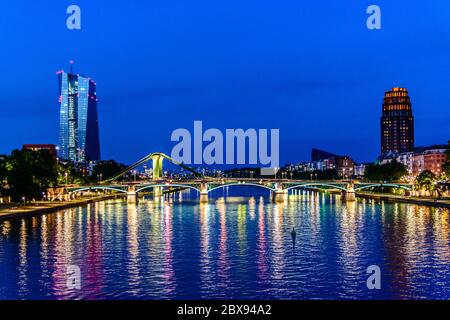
(42, 207)
(430, 202)
(404, 199)
(15, 211)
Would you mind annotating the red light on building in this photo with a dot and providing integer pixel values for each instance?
(37, 147)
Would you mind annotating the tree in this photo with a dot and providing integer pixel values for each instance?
(447, 163)
(389, 172)
(106, 169)
(3, 173)
(29, 173)
(426, 180)
(68, 174)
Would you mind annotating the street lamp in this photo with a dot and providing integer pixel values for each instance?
(66, 174)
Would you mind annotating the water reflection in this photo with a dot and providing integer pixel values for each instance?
(231, 247)
(205, 250)
(167, 231)
(223, 265)
(133, 264)
(263, 269)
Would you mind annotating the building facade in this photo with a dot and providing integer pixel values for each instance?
(397, 122)
(323, 161)
(51, 148)
(407, 158)
(78, 129)
(431, 158)
(360, 169)
(345, 166)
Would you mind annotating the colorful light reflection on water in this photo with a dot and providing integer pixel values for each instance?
(233, 247)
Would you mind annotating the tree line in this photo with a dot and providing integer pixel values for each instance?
(25, 175)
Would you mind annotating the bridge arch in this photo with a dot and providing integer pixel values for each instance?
(316, 184)
(97, 188)
(404, 187)
(157, 159)
(167, 185)
(241, 184)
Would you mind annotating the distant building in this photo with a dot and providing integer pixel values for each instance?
(36, 147)
(360, 169)
(407, 158)
(317, 155)
(397, 122)
(323, 160)
(430, 158)
(78, 129)
(345, 166)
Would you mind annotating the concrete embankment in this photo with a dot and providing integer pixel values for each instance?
(42, 207)
(403, 199)
(14, 211)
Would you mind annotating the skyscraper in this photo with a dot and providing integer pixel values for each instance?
(78, 128)
(397, 122)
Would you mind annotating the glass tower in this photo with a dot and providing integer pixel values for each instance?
(397, 122)
(78, 128)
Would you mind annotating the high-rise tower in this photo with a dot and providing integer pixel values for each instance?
(397, 122)
(78, 128)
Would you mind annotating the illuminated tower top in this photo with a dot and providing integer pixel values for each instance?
(397, 122)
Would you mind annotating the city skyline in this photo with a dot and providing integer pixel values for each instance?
(325, 93)
(223, 159)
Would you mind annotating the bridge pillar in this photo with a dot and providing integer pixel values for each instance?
(279, 195)
(157, 160)
(204, 193)
(157, 191)
(132, 195)
(158, 194)
(349, 194)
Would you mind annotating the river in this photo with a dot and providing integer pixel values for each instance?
(238, 246)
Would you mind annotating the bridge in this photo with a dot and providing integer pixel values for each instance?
(204, 185)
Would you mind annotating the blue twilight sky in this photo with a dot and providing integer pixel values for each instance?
(310, 68)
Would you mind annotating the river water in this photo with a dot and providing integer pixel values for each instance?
(239, 245)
